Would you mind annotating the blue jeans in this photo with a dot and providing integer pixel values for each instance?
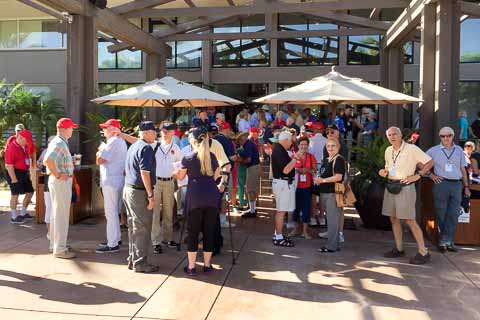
(303, 200)
(447, 197)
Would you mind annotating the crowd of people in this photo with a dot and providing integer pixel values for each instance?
(198, 166)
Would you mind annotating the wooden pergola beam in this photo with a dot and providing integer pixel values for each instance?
(43, 9)
(138, 5)
(269, 8)
(406, 23)
(350, 20)
(184, 27)
(114, 25)
(472, 9)
(272, 34)
(375, 14)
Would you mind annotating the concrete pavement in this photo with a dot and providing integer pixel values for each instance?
(266, 283)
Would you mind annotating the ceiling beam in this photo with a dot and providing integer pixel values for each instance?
(405, 24)
(114, 25)
(375, 14)
(469, 8)
(272, 34)
(269, 8)
(350, 20)
(43, 9)
(184, 27)
(138, 5)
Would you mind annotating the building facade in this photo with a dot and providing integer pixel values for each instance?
(33, 50)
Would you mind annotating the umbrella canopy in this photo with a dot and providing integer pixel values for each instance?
(335, 88)
(166, 92)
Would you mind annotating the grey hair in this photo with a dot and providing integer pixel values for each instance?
(446, 130)
(394, 128)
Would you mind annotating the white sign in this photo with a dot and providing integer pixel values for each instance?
(464, 217)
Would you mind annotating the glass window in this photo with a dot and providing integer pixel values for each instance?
(469, 44)
(41, 34)
(469, 98)
(106, 60)
(188, 54)
(127, 59)
(306, 51)
(230, 27)
(363, 50)
(408, 53)
(8, 34)
(255, 23)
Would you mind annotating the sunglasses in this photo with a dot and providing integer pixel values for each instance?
(446, 136)
(330, 131)
(468, 146)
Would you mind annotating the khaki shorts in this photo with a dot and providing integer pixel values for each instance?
(253, 178)
(402, 205)
(284, 195)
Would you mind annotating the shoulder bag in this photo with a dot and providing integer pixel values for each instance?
(343, 191)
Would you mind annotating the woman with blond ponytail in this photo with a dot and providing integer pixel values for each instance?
(201, 199)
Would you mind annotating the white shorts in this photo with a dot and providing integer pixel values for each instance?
(284, 195)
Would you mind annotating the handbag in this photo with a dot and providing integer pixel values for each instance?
(394, 187)
(343, 192)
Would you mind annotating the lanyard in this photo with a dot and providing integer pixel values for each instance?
(165, 154)
(394, 159)
(451, 153)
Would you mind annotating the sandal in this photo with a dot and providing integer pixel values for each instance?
(283, 242)
(325, 250)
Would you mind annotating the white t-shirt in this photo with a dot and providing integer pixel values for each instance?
(317, 143)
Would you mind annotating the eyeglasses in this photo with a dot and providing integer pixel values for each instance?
(331, 145)
(468, 146)
(446, 136)
(330, 132)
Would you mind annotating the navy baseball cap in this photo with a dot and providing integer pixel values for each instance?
(146, 125)
(213, 128)
(199, 133)
(169, 126)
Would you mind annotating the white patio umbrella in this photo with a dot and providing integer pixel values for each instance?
(166, 92)
(335, 88)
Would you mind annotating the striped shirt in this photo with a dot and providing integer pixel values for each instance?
(59, 152)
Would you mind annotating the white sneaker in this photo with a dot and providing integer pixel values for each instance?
(341, 238)
(225, 224)
(48, 236)
(323, 235)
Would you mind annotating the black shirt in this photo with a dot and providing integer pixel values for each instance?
(476, 128)
(326, 171)
(280, 159)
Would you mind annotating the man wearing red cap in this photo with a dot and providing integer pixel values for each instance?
(17, 163)
(111, 158)
(59, 163)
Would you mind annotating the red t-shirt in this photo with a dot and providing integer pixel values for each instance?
(308, 162)
(17, 156)
(31, 148)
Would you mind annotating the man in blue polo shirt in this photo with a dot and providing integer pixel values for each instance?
(140, 170)
(450, 178)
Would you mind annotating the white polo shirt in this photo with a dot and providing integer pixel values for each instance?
(166, 155)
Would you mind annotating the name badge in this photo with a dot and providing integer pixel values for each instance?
(303, 178)
(448, 167)
(391, 171)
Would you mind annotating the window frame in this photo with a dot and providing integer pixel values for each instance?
(17, 47)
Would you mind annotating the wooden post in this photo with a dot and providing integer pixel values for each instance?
(207, 61)
(427, 76)
(82, 80)
(155, 69)
(447, 65)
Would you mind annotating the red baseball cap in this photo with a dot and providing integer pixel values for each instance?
(254, 130)
(26, 134)
(111, 122)
(315, 125)
(65, 123)
(226, 126)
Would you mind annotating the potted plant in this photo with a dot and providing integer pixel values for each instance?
(368, 186)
